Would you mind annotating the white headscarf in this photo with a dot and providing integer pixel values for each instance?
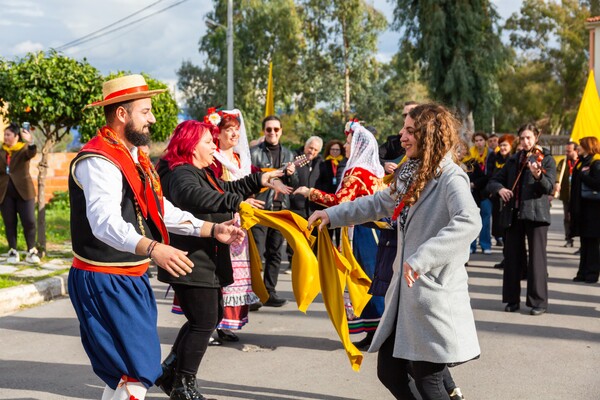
(242, 149)
(364, 152)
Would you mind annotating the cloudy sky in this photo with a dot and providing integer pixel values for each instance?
(156, 45)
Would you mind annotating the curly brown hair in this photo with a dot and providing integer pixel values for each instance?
(436, 132)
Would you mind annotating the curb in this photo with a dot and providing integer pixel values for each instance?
(13, 298)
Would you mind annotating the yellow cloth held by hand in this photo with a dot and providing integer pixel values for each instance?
(305, 276)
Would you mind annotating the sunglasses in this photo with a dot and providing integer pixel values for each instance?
(269, 130)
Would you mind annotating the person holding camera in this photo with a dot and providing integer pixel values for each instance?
(525, 183)
(17, 194)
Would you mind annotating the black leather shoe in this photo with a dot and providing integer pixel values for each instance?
(227, 336)
(537, 311)
(364, 344)
(215, 342)
(184, 388)
(500, 265)
(165, 381)
(579, 279)
(591, 280)
(512, 307)
(275, 301)
(255, 306)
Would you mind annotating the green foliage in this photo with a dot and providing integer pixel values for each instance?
(459, 45)
(547, 78)
(60, 201)
(164, 108)
(49, 90)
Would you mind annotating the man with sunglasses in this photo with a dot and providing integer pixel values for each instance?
(270, 154)
(391, 151)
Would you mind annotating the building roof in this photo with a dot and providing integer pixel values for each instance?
(593, 19)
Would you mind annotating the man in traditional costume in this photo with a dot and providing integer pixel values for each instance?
(119, 222)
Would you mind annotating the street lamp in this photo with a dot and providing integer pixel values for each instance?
(213, 24)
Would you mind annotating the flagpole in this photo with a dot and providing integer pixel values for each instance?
(230, 54)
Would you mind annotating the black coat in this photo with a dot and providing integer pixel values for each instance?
(479, 179)
(585, 214)
(307, 176)
(261, 158)
(534, 204)
(191, 189)
(391, 150)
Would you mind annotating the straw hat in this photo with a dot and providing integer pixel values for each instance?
(125, 88)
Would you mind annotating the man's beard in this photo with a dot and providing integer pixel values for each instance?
(136, 137)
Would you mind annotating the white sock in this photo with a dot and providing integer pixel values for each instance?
(125, 390)
(108, 393)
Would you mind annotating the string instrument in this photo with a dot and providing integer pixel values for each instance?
(299, 161)
(536, 154)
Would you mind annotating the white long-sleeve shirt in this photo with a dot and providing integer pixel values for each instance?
(102, 184)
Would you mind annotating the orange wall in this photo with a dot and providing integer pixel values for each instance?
(57, 177)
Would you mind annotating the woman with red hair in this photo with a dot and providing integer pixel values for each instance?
(190, 185)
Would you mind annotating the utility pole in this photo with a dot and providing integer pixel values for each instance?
(230, 54)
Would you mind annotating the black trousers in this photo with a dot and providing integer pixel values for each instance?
(203, 308)
(395, 375)
(589, 261)
(269, 241)
(517, 260)
(567, 220)
(12, 205)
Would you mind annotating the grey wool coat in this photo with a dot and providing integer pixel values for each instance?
(433, 320)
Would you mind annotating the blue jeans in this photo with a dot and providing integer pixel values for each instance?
(485, 236)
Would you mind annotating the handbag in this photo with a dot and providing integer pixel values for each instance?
(505, 214)
(588, 193)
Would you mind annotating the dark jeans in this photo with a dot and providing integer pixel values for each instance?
(269, 241)
(12, 205)
(203, 309)
(517, 259)
(589, 261)
(395, 375)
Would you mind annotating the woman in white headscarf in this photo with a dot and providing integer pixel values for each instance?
(362, 177)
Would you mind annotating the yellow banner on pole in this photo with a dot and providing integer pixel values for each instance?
(587, 122)
(270, 103)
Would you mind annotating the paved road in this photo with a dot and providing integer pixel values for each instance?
(285, 354)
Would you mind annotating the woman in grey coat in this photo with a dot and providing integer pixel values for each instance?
(428, 322)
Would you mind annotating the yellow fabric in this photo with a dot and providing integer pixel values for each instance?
(258, 284)
(334, 160)
(305, 275)
(587, 122)
(14, 148)
(333, 271)
(479, 157)
(387, 180)
(270, 104)
(357, 281)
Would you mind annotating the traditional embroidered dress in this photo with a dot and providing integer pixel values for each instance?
(109, 290)
(362, 177)
(239, 295)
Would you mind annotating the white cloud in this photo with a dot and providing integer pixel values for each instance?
(27, 47)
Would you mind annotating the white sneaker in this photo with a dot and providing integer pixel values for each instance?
(487, 251)
(32, 256)
(13, 257)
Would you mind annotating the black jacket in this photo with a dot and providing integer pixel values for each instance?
(534, 204)
(585, 214)
(391, 149)
(261, 158)
(307, 176)
(191, 189)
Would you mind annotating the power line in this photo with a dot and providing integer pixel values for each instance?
(96, 35)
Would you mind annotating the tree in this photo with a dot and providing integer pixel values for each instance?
(458, 43)
(164, 108)
(49, 90)
(554, 42)
(263, 31)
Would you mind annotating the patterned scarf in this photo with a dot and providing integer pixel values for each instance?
(404, 178)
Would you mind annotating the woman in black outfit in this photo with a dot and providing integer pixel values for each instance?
(190, 185)
(585, 213)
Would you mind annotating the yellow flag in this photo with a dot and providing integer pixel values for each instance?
(587, 122)
(270, 103)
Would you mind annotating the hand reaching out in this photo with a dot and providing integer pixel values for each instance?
(320, 214)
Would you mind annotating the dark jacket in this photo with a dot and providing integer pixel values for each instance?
(193, 189)
(479, 178)
(565, 183)
(261, 158)
(307, 176)
(534, 204)
(391, 150)
(585, 214)
(19, 172)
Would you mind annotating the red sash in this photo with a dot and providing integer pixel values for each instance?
(142, 180)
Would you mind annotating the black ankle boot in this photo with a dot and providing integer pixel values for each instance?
(165, 381)
(364, 344)
(184, 388)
